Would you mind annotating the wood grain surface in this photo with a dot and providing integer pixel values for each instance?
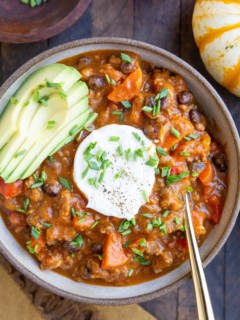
(167, 24)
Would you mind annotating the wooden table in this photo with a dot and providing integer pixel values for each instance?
(167, 24)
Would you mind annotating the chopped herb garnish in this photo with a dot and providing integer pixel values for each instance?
(126, 244)
(138, 154)
(126, 58)
(94, 224)
(20, 153)
(39, 181)
(26, 203)
(165, 213)
(46, 225)
(65, 183)
(77, 242)
(119, 174)
(85, 172)
(175, 132)
(74, 130)
(177, 220)
(175, 178)
(153, 161)
(161, 151)
(149, 227)
(13, 100)
(51, 159)
(162, 94)
(144, 193)
(124, 233)
(138, 252)
(147, 215)
(101, 177)
(174, 147)
(36, 96)
(147, 109)
(35, 232)
(128, 154)
(130, 272)
(157, 171)
(62, 94)
(119, 150)
(165, 171)
(185, 154)
(142, 260)
(51, 124)
(43, 101)
(114, 138)
(125, 225)
(136, 136)
(91, 146)
(120, 113)
(53, 85)
(194, 136)
(126, 104)
(109, 80)
(163, 228)
(190, 189)
(143, 243)
(195, 174)
(30, 249)
(156, 222)
(81, 220)
(94, 165)
(36, 185)
(26, 103)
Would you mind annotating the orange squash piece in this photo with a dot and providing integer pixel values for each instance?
(130, 87)
(207, 175)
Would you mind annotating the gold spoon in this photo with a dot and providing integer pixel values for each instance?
(203, 301)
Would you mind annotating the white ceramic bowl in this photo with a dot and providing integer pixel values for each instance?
(225, 132)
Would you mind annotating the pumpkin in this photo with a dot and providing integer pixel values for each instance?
(216, 29)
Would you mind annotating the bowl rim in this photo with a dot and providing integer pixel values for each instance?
(50, 31)
(132, 44)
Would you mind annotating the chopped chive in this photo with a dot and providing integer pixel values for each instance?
(138, 154)
(77, 242)
(114, 138)
(163, 228)
(101, 177)
(30, 249)
(147, 109)
(43, 101)
(190, 189)
(126, 244)
(20, 153)
(36, 96)
(137, 252)
(153, 161)
(85, 172)
(195, 174)
(74, 130)
(35, 232)
(162, 94)
(185, 154)
(26, 103)
(91, 146)
(81, 220)
(143, 243)
(92, 181)
(175, 178)
(26, 203)
(142, 260)
(94, 224)
(193, 136)
(175, 132)
(51, 124)
(109, 80)
(128, 154)
(146, 215)
(157, 170)
(165, 171)
(130, 272)
(14, 100)
(120, 113)
(156, 222)
(126, 58)
(93, 164)
(126, 104)
(62, 94)
(119, 174)
(46, 225)
(149, 227)
(124, 233)
(165, 213)
(136, 136)
(65, 183)
(187, 138)
(177, 220)
(144, 193)
(119, 150)
(161, 151)
(37, 185)
(53, 85)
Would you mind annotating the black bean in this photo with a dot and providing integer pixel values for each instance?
(164, 103)
(185, 97)
(84, 61)
(72, 249)
(197, 167)
(51, 189)
(127, 67)
(97, 248)
(220, 162)
(197, 119)
(96, 82)
(150, 101)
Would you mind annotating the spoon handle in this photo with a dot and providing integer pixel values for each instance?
(203, 301)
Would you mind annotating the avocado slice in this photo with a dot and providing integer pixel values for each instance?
(47, 139)
(22, 141)
(55, 73)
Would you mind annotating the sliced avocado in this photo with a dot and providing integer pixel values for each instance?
(39, 123)
(47, 137)
(55, 73)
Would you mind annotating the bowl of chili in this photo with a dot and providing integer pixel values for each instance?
(145, 256)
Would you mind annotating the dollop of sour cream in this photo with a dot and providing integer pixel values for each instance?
(114, 169)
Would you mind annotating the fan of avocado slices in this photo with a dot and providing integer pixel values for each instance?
(48, 110)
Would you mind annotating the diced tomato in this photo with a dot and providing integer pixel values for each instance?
(208, 174)
(216, 212)
(176, 170)
(129, 88)
(198, 218)
(39, 243)
(83, 223)
(113, 252)
(9, 190)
